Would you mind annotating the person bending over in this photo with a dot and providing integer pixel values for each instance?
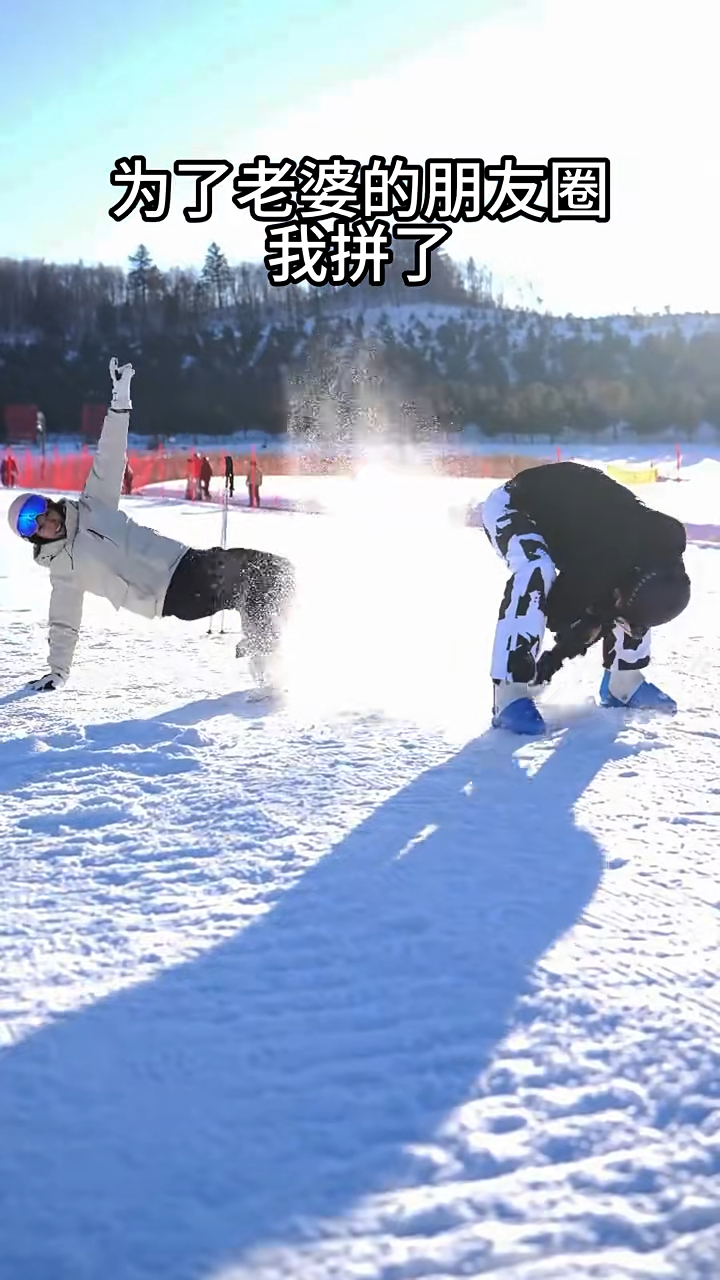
(591, 562)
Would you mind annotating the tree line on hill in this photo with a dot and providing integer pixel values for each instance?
(220, 350)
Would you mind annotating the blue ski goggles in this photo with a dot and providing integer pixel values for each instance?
(27, 516)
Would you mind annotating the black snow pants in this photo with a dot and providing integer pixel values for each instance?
(258, 584)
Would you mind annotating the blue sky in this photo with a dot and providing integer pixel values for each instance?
(80, 85)
(630, 79)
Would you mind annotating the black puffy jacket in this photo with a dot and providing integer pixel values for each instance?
(596, 531)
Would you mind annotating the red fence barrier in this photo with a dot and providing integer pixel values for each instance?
(157, 467)
(67, 472)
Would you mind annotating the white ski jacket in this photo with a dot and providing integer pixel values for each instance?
(104, 552)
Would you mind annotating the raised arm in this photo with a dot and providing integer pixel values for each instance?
(108, 468)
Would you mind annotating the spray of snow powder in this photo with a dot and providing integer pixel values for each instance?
(390, 614)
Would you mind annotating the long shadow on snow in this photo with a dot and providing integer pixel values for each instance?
(281, 1075)
(125, 744)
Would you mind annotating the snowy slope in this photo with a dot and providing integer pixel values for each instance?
(352, 988)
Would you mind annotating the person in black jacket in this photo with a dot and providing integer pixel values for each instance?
(591, 562)
(206, 473)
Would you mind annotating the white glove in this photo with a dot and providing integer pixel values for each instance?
(47, 683)
(121, 377)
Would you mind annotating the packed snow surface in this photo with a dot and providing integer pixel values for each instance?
(348, 986)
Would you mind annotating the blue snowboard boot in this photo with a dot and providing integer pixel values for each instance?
(647, 697)
(517, 714)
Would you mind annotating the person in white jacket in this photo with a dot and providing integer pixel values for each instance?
(90, 545)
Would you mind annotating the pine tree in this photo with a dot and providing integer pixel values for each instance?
(143, 277)
(472, 281)
(216, 275)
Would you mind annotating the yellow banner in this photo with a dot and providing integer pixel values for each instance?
(633, 475)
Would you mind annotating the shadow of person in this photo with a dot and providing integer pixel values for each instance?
(94, 745)
(281, 1075)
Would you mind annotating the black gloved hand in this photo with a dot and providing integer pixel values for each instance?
(573, 642)
(46, 684)
(548, 665)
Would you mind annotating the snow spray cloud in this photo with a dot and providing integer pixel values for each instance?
(389, 583)
(389, 616)
(349, 391)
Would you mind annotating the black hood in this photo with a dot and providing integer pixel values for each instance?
(651, 597)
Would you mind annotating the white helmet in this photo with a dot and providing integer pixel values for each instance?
(24, 511)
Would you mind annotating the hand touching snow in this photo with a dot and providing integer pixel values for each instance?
(47, 683)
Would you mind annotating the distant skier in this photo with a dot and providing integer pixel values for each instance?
(206, 472)
(191, 482)
(253, 481)
(9, 471)
(591, 561)
(229, 475)
(89, 545)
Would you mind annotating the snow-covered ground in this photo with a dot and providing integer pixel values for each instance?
(353, 988)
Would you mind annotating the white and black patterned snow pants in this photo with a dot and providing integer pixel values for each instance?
(622, 652)
(523, 609)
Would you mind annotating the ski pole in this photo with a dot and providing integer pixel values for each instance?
(223, 543)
